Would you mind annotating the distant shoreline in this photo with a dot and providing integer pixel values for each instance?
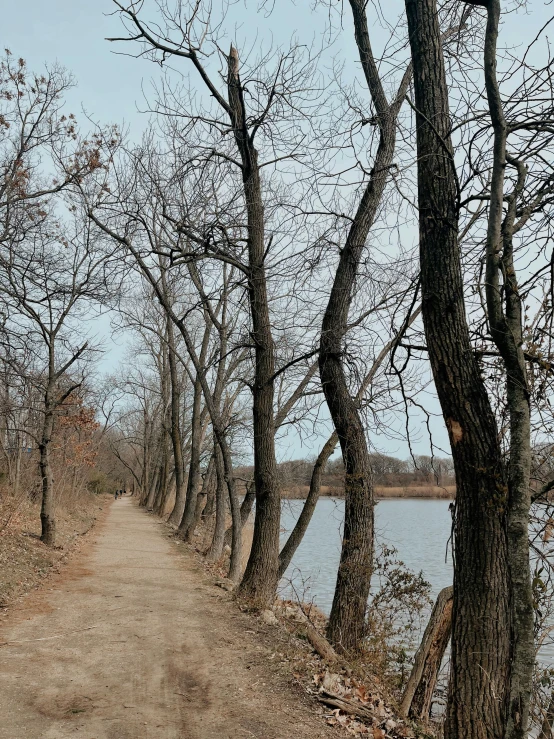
(423, 492)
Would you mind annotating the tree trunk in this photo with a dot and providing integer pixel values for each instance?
(176, 440)
(347, 619)
(261, 577)
(146, 462)
(166, 480)
(163, 482)
(245, 511)
(47, 513)
(297, 534)
(153, 486)
(505, 315)
(194, 476)
(207, 486)
(216, 547)
(209, 508)
(481, 626)
(17, 473)
(418, 695)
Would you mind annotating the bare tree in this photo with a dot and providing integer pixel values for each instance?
(49, 282)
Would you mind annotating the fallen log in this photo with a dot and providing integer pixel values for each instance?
(345, 705)
(416, 701)
(321, 645)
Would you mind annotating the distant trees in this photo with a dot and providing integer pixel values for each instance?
(392, 471)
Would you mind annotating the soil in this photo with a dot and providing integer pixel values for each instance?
(133, 641)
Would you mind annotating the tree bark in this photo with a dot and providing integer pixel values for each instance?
(207, 486)
(176, 438)
(47, 512)
(504, 306)
(216, 546)
(154, 482)
(194, 476)
(245, 511)
(145, 476)
(481, 627)
(165, 387)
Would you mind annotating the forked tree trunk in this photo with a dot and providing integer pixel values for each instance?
(481, 626)
(417, 699)
(297, 534)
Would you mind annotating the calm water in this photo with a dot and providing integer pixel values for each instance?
(418, 529)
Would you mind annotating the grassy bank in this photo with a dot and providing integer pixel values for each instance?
(433, 492)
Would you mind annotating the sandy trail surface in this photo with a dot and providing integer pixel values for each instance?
(134, 642)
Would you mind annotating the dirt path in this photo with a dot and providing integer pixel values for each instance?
(134, 643)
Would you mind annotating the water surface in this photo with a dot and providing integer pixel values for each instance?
(418, 529)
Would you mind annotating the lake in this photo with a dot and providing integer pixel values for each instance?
(418, 529)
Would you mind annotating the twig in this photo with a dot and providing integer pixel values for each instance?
(45, 638)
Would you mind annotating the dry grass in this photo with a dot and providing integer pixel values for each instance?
(300, 492)
(24, 560)
(417, 491)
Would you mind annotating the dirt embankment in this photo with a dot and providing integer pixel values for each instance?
(24, 560)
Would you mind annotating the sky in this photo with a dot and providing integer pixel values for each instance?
(110, 90)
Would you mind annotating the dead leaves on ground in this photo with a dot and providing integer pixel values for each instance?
(356, 708)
